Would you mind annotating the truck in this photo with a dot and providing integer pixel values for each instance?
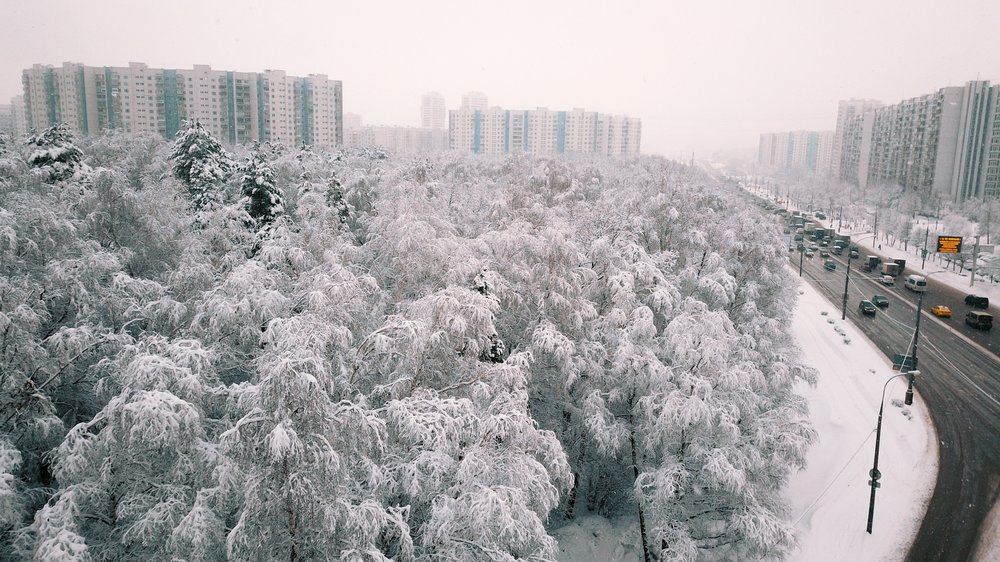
(870, 263)
(890, 268)
(901, 264)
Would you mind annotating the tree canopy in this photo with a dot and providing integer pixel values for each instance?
(421, 360)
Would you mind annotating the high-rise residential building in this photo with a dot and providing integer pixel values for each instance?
(805, 150)
(946, 144)
(474, 101)
(235, 106)
(542, 131)
(352, 121)
(6, 119)
(847, 109)
(398, 140)
(20, 119)
(432, 111)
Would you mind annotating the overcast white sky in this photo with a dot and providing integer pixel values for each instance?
(701, 74)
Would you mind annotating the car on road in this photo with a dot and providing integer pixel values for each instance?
(867, 308)
(979, 320)
(887, 280)
(810, 253)
(824, 254)
(830, 265)
(880, 301)
(941, 310)
(976, 301)
(854, 254)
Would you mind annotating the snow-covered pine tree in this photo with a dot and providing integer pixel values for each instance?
(262, 197)
(54, 154)
(200, 162)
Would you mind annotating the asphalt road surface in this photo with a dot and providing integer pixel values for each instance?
(959, 382)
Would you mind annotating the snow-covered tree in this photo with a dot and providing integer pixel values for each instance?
(201, 163)
(262, 197)
(54, 154)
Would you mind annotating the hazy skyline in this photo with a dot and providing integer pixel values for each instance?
(702, 76)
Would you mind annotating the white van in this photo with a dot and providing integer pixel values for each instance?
(916, 283)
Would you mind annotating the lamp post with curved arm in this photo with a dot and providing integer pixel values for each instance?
(874, 473)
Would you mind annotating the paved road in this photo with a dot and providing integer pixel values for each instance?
(960, 383)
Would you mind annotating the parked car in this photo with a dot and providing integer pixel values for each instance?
(867, 308)
(880, 301)
(887, 280)
(941, 310)
(976, 301)
(830, 265)
(979, 320)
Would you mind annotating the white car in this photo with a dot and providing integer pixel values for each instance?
(888, 280)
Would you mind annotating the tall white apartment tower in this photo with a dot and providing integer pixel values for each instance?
(475, 101)
(432, 111)
(847, 109)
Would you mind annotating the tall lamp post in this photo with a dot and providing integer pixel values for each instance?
(847, 279)
(874, 473)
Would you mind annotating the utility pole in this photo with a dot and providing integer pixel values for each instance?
(875, 229)
(927, 232)
(801, 253)
(975, 257)
(847, 279)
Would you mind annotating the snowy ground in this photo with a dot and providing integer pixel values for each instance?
(829, 499)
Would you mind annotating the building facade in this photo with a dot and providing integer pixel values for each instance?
(946, 144)
(398, 140)
(847, 109)
(474, 101)
(542, 131)
(806, 150)
(236, 107)
(433, 114)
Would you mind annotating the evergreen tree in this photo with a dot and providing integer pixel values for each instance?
(263, 200)
(55, 154)
(200, 162)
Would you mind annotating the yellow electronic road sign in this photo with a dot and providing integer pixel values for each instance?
(949, 244)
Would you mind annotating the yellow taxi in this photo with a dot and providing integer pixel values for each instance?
(941, 310)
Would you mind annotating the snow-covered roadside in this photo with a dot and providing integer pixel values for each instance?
(829, 499)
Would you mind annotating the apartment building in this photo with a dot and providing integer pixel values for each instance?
(398, 140)
(946, 143)
(543, 131)
(474, 101)
(432, 111)
(847, 109)
(806, 150)
(235, 106)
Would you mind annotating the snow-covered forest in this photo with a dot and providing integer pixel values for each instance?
(272, 353)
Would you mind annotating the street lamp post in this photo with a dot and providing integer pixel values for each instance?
(847, 279)
(801, 253)
(874, 473)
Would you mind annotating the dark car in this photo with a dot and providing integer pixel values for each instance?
(867, 307)
(976, 301)
(979, 320)
(854, 254)
(830, 265)
(880, 301)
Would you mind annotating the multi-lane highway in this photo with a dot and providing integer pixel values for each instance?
(959, 382)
